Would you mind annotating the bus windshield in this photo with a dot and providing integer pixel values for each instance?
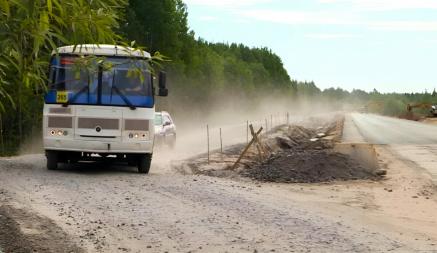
(117, 81)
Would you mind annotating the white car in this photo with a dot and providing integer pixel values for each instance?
(165, 129)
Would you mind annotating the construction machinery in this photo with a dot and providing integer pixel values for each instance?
(427, 106)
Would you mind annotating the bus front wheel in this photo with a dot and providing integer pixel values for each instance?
(52, 160)
(144, 162)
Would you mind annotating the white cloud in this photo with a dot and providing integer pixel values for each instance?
(226, 3)
(385, 5)
(417, 26)
(300, 17)
(337, 19)
(248, 10)
(332, 36)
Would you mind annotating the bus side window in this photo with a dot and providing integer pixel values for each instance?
(52, 78)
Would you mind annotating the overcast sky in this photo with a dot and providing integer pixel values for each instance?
(390, 45)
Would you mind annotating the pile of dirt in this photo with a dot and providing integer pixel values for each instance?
(298, 138)
(292, 154)
(308, 167)
(305, 155)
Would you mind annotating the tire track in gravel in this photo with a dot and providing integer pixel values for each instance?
(111, 209)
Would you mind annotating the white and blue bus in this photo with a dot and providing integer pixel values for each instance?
(100, 105)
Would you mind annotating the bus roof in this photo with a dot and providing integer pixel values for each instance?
(102, 50)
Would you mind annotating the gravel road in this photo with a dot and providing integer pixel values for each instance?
(103, 208)
(114, 209)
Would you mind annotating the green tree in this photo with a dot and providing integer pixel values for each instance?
(157, 25)
(29, 31)
(200, 70)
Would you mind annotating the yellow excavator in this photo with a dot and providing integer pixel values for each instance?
(432, 108)
(429, 106)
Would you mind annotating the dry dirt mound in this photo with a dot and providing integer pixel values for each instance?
(305, 155)
(296, 154)
(308, 167)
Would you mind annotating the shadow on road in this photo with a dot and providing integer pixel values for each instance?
(93, 168)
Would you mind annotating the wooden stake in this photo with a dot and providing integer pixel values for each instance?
(207, 136)
(247, 132)
(221, 141)
(258, 144)
(245, 150)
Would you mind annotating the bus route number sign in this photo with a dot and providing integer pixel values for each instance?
(61, 97)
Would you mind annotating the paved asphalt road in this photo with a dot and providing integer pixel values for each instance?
(385, 130)
(413, 141)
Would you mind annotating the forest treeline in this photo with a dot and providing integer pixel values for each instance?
(201, 74)
(389, 104)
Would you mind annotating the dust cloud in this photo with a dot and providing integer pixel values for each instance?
(230, 116)
(32, 145)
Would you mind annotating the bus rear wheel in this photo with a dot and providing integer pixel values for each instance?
(144, 162)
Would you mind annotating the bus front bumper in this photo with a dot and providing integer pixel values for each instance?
(139, 147)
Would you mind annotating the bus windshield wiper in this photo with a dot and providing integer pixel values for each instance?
(124, 98)
(85, 88)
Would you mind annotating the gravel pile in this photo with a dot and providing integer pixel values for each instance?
(308, 167)
(297, 154)
(305, 155)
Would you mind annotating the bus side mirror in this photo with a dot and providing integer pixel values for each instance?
(163, 91)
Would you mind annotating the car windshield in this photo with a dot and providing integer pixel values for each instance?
(102, 81)
(158, 119)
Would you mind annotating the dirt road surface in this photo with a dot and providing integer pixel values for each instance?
(103, 208)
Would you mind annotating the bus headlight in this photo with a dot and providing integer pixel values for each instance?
(143, 136)
(58, 132)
